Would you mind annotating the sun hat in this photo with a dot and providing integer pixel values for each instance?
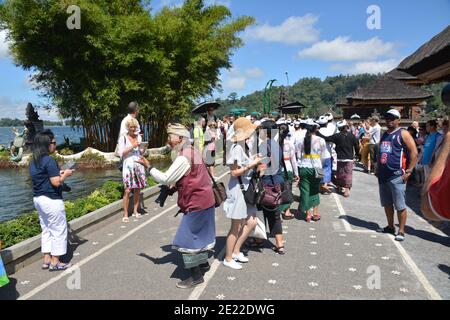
(322, 120)
(243, 129)
(178, 130)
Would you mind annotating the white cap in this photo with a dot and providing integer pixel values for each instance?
(329, 116)
(355, 116)
(281, 121)
(395, 113)
(341, 124)
(297, 122)
(322, 120)
(310, 122)
(257, 122)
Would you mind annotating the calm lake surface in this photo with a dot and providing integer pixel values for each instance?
(16, 194)
(74, 134)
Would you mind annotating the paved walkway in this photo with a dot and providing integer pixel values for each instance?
(340, 257)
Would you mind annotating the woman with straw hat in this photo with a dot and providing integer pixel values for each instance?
(242, 215)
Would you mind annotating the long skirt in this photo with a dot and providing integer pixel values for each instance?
(3, 277)
(197, 232)
(309, 189)
(344, 174)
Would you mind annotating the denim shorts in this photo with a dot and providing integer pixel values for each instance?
(393, 193)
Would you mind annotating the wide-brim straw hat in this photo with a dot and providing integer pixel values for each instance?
(243, 129)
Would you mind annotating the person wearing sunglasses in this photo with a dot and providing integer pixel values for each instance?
(48, 180)
(393, 171)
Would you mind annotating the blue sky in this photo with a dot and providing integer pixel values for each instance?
(314, 38)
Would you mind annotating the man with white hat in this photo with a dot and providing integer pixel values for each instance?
(346, 147)
(393, 171)
(326, 131)
(196, 234)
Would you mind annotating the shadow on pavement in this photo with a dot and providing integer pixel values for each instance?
(445, 269)
(73, 243)
(428, 236)
(9, 291)
(361, 223)
(174, 257)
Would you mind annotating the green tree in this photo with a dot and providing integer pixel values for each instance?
(232, 97)
(122, 53)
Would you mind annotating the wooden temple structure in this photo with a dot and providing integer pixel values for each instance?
(401, 88)
(383, 94)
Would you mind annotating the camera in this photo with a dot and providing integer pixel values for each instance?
(163, 194)
(65, 188)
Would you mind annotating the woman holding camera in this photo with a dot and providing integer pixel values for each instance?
(48, 182)
(133, 173)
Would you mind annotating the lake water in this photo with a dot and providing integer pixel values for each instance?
(74, 134)
(16, 189)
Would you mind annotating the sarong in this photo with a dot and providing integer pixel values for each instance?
(344, 174)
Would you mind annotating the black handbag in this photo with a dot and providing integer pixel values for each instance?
(253, 191)
(287, 197)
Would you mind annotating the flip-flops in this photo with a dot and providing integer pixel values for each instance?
(59, 267)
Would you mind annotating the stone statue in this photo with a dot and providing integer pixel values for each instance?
(18, 144)
(33, 124)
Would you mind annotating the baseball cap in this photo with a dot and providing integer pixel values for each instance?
(341, 124)
(395, 113)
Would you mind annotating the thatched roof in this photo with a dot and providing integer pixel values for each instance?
(431, 57)
(388, 89)
(400, 75)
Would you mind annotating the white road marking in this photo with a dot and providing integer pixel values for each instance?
(93, 256)
(432, 293)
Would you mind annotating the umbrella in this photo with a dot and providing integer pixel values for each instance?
(202, 108)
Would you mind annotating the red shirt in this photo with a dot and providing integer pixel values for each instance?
(439, 194)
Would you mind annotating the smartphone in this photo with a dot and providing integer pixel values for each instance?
(143, 145)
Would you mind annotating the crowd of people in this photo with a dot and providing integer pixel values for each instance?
(265, 156)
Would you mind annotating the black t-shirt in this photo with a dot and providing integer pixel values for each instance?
(40, 176)
(346, 144)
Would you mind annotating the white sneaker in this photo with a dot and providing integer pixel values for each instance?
(232, 264)
(240, 257)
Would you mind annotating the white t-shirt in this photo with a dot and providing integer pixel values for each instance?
(237, 154)
(375, 134)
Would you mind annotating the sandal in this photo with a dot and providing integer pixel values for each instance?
(279, 250)
(59, 267)
(125, 220)
(316, 218)
(137, 215)
(45, 266)
(308, 219)
(287, 217)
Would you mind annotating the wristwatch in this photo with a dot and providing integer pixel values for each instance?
(408, 171)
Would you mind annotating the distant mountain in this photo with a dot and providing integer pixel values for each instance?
(318, 95)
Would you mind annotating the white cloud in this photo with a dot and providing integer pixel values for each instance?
(294, 30)
(342, 49)
(4, 51)
(12, 108)
(254, 73)
(374, 67)
(237, 79)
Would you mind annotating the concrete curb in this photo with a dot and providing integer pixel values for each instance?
(28, 251)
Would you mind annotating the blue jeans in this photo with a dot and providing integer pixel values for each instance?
(393, 193)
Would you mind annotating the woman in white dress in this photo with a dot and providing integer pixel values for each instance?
(133, 173)
(242, 215)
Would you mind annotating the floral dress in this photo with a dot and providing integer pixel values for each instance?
(133, 173)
